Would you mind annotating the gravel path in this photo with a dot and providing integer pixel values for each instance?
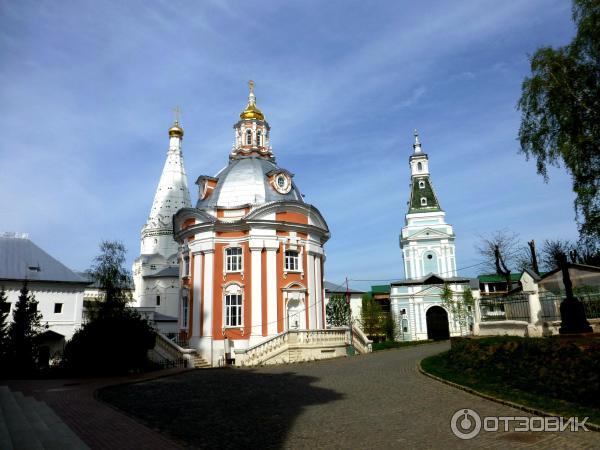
(371, 401)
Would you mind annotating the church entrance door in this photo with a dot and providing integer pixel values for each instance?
(437, 323)
(296, 316)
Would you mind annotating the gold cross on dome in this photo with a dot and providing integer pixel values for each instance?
(251, 86)
(177, 112)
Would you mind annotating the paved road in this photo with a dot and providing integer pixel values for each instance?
(387, 404)
(376, 401)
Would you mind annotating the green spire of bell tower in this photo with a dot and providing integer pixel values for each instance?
(422, 194)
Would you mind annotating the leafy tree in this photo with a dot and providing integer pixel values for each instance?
(337, 311)
(4, 308)
(371, 316)
(459, 306)
(560, 105)
(116, 339)
(389, 326)
(114, 280)
(23, 332)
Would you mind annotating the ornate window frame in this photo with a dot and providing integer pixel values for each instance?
(238, 258)
(292, 261)
(233, 306)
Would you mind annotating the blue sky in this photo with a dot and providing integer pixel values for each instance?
(87, 90)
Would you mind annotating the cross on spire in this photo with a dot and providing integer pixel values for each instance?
(177, 113)
(417, 144)
(251, 96)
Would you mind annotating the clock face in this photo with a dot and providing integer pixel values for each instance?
(283, 184)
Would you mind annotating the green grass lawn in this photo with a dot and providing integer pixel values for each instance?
(492, 366)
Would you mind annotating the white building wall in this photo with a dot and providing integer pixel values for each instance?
(47, 295)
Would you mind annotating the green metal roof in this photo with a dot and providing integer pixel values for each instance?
(427, 192)
(380, 289)
(495, 278)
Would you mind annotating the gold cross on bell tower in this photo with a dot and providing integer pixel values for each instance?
(177, 113)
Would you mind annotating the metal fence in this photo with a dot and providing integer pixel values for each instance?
(512, 307)
(550, 302)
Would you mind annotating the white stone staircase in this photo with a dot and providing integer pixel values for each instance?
(303, 345)
(166, 349)
(29, 424)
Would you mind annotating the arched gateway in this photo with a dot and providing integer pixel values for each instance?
(437, 323)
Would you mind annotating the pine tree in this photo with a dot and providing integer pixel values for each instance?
(4, 308)
(23, 332)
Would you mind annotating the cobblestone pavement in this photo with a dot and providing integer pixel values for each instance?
(387, 403)
(371, 401)
(96, 423)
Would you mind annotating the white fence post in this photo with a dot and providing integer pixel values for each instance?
(476, 311)
(535, 327)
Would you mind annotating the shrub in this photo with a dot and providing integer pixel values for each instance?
(558, 368)
(112, 343)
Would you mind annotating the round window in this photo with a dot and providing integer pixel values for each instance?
(282, 183)
(429, 256)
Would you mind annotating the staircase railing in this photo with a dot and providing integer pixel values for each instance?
(256, 354)
(360, 341)
(335, 336)
(167, 349)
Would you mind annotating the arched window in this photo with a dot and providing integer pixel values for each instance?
(248, 137)
(291, 261)
(258, 138)
(423, 201)
(233, 306)
(233, 259)
(419, 167)
(421, 184)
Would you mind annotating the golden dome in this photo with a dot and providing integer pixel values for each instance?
(252, 111)
(176, 130)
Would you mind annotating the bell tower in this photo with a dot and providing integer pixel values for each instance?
(426, 240)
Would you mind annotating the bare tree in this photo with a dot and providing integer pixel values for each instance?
(502, 251)
(579, 253)
(553, 252)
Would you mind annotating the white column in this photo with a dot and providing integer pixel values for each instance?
(271, 289)
(310, 282)
(208, 293)
(416, 268)
(197, 292)
(443, 266)
(318, 294)
(256, 279)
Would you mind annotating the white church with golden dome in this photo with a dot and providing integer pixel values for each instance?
(252, 260)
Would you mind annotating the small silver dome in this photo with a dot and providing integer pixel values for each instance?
(246, 181)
